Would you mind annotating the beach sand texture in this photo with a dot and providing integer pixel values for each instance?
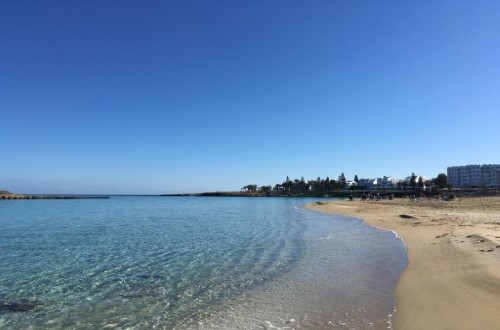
(453, 277)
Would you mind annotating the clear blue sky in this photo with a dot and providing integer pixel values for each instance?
(191, 96)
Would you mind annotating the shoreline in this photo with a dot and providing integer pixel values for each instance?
(300, 297)
(342, 193)
(452, 279)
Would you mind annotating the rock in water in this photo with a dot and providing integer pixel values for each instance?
(22, 305)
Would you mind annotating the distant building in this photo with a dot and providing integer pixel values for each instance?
(351, 184)
(407, 180)
(388, 182)
(365, 183)
(474, 176)
(384, 183)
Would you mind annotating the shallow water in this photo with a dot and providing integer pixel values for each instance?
(187, 262)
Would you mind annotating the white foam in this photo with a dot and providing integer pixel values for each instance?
(401, 238)
(330, 236)
(271, 326)
(392, 231)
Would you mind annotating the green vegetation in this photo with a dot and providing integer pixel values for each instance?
(413, 181)
(441, 181)
(301, 187)
(338, 188)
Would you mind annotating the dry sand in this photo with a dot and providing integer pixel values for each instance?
(453, 277)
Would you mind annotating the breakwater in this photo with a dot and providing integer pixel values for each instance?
(17, 196)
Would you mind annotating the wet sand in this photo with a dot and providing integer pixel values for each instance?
(453, 277)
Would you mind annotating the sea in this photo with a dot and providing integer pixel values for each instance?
(152, 262)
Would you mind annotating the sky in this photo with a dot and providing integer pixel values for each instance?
(151, 97)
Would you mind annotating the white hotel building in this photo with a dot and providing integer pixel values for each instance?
(474, 176)
(386, 183)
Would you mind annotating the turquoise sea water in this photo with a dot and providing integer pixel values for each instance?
(192, 263)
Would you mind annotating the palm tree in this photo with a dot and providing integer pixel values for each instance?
(265, 189)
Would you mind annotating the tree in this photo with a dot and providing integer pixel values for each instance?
(441, 181)
(287, 185)
(265, 189)
(420, 182)
(302, 186)
(405, 184)
(356, 178)
(413, 181)
(251, 188)
(317, 184)
(342, 180)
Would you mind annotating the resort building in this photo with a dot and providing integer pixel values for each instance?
(388, 182)
(385, 183)
(474, 176)
(351, 184)
(418, 178)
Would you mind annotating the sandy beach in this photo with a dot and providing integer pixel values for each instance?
(453, 277)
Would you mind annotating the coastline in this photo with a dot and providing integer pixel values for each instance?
(453, 276)
(20, 196)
